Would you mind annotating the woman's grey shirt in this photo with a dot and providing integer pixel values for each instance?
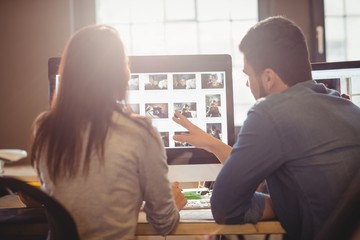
(106, 203)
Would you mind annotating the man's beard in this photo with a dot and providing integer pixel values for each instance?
(262, 93)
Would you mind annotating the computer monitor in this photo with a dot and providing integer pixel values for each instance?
(341, 76)
(200, 86)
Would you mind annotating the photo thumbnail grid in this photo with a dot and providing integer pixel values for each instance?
(200, 96)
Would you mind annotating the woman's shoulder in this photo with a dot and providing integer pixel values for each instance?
(133, 122)
(136, 127)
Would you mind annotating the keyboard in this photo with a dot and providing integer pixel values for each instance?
(203, 203)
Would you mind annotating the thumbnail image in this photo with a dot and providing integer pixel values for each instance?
(212, 80)
(214, 129)
(333, 83)
(184, 81)
(156, 110)
(165, 138)
(181, 144)
(156, 82)
(213, 104)
(134, 82)
(135, 108)
(187, 109)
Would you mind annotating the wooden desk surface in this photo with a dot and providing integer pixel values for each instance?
(209, 227)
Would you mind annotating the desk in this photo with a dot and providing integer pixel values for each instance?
(203, 228)
(24, 172)
(188, 226)
(191, 222)
(38, 226)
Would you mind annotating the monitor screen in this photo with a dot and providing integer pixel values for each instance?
(199, 86)
(341, 76)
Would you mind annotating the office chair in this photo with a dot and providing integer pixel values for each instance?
(61, 224)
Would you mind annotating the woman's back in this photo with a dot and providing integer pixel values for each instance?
(106, 203)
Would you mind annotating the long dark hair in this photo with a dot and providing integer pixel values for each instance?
(94, 76)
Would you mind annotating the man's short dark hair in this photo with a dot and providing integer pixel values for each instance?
(278, 43)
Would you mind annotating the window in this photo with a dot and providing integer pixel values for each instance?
(185, 27)
(342, 22)
(212, 26)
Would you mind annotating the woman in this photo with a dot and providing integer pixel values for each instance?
(94, 156)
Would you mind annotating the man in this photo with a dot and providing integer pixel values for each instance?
(185, 111)
(301, 137)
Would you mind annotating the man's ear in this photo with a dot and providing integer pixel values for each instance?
(272, 82)
(268, 78)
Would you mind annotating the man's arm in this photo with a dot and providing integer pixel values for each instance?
(197, 137)
(201, 139)
(268, 209)
(255, 155)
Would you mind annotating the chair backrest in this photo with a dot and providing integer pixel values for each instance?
(61, 223)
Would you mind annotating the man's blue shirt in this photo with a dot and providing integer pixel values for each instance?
(305, 142)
